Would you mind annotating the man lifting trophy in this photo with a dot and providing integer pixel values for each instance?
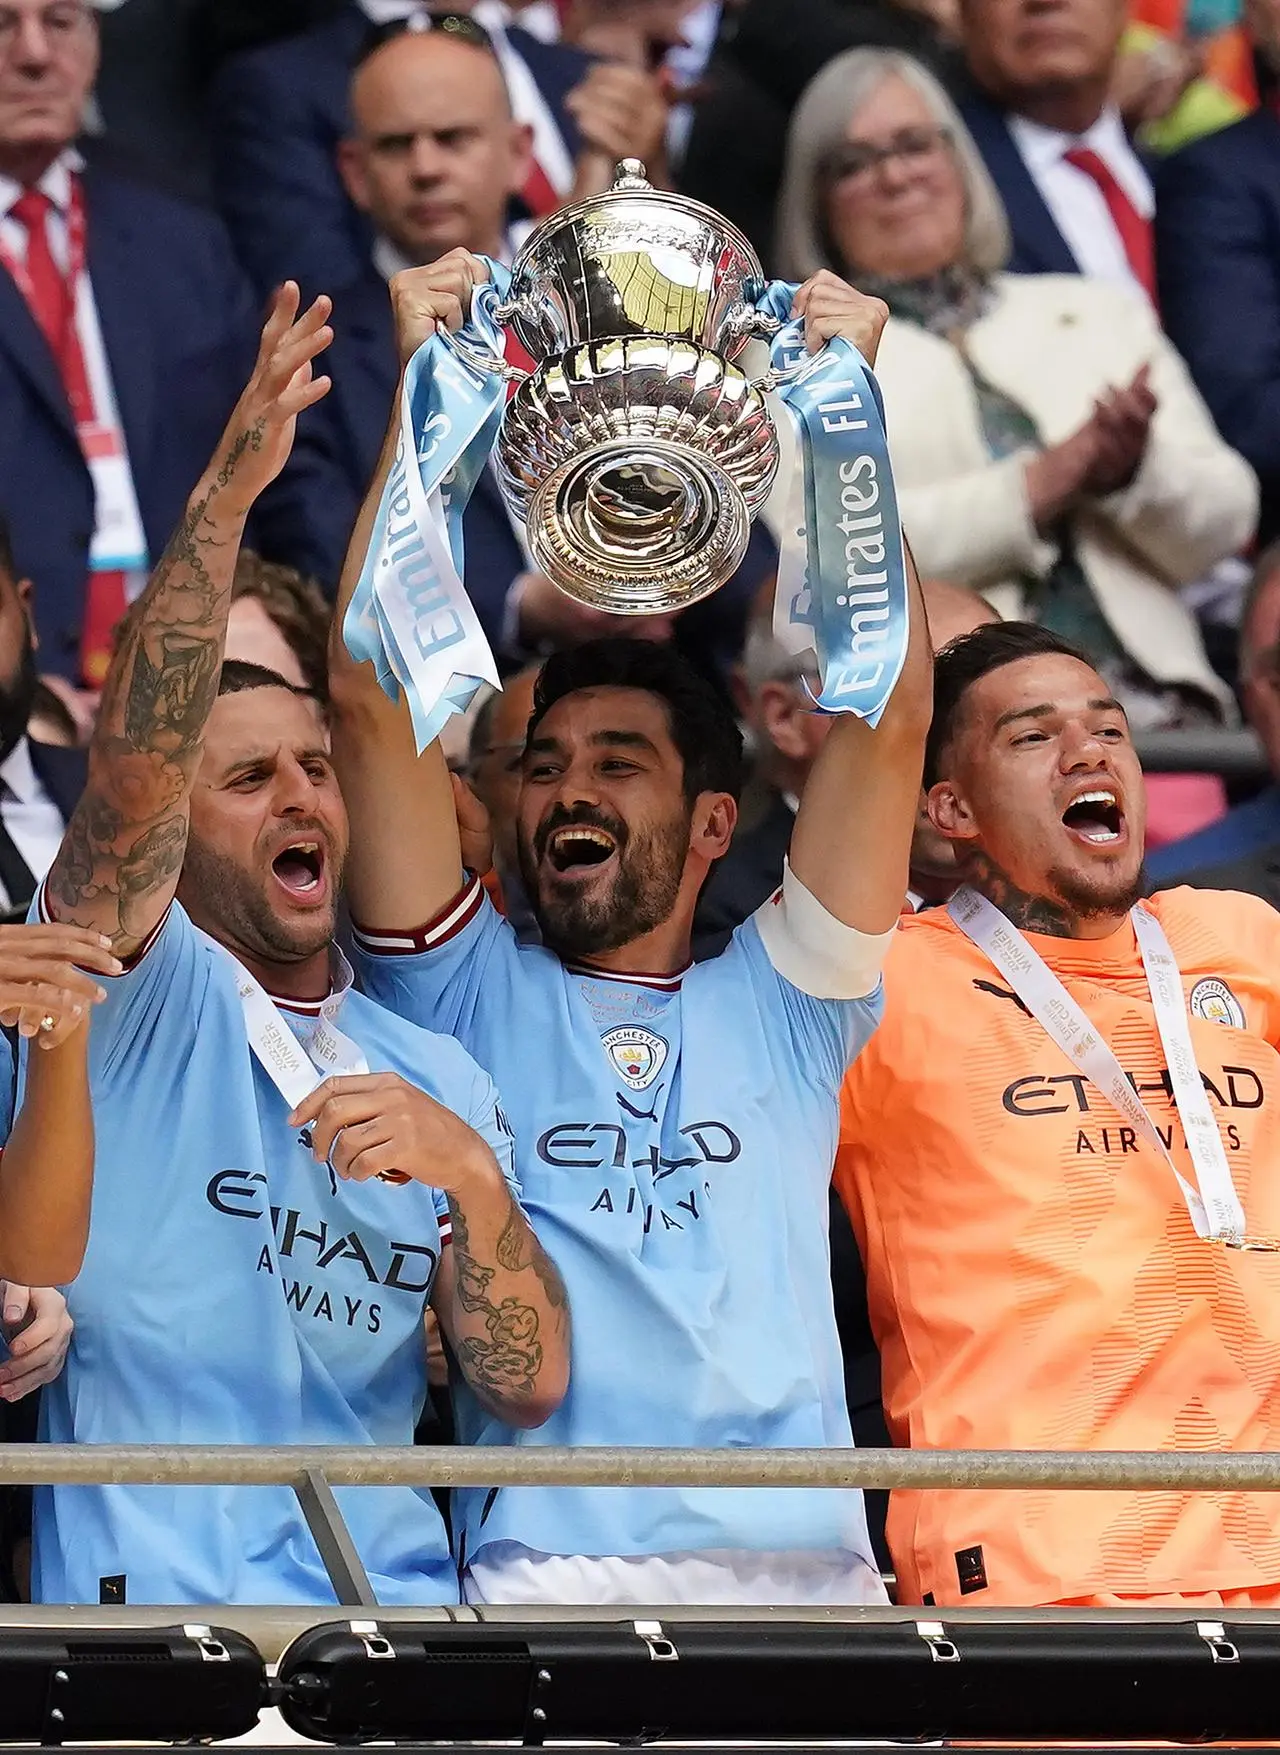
(636, 453)
(674, 1126)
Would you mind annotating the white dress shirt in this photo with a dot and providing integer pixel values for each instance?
(32, 818)
(1075, 200)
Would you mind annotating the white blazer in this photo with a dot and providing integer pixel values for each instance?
(1053, 342)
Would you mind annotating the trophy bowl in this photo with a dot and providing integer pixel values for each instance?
(637, 453)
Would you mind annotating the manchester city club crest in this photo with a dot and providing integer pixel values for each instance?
(1214, 1001)
(636, 1055)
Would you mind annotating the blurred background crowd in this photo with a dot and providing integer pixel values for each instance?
(1071, 207)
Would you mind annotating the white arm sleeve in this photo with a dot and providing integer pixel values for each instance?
(813, 950)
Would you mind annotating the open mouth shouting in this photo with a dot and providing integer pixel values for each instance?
(1096, 818)
(301, 870)
(578, 849)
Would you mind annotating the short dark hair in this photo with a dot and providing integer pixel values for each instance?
(296, 606)
(7, 564)
(966, 660)
(701, 724)
(238, 676)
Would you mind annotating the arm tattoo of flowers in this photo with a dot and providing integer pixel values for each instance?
(504, 1363)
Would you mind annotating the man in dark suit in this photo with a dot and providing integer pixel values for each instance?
(279, 112)
(39, 788)
(1078, 197)
(1218, 251)
(434, 157)
(124, 330)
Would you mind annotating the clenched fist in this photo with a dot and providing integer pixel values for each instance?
(831, 307)
(370, 1125)
(435, 297)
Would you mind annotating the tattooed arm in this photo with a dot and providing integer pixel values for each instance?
(500, 1301)
(118, 866)
(502, 1305)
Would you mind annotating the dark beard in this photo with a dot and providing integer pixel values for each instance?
(1059, 913)
(17, 697)
(642, 896)
(1089, 901)
(221, 896)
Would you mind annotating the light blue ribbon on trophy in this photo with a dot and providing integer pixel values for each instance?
(842, 577)
(410, 616)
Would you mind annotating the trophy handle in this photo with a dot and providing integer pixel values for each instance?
(484, 359)
(747, 322)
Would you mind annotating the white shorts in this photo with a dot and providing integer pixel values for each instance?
(505, 1572)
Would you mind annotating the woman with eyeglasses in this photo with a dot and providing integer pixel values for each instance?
(1049, 448)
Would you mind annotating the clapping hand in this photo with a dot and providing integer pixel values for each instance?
(1122, 426)
(1101, 457)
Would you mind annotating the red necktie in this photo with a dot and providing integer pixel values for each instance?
(516, 354)
(47, 295)
(538, 194)
(1133, 230)
(50, 298)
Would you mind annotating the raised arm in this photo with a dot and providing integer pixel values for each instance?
(405, 863)
(852, 840)
(117, 868)
(48, 988)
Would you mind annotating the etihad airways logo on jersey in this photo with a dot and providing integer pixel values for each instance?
(606, 1145)
(313, 1248)
(1230, 1088)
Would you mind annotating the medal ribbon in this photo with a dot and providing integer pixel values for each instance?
(296, 1071)
(1214, 1206)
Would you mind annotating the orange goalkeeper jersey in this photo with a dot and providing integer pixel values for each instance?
(1033, 1275)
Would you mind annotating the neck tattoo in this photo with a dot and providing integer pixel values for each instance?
(1030, 913)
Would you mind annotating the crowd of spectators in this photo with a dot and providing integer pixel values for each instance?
(1070, 210)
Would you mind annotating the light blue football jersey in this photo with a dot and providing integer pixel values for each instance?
(236, 1292)
(674, 1142)
(8, 1075)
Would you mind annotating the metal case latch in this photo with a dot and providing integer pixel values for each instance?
(1221, 1649)
(661, 1650)
(212, 1651)
(941, 1649)
(375, 1642)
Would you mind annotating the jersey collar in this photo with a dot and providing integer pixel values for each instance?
(341, 982)
(659, 983)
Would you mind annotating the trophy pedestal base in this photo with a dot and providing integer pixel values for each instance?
(638, 527)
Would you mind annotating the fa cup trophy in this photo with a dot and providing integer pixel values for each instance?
(638, 452)
(635, 455)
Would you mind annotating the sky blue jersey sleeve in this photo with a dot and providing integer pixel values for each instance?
(151, 1009)
(490, 1122)
(8, 1085)
(823, 1036)
(439, 976)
